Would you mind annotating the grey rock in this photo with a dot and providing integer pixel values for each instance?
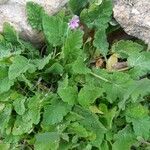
(134, 17)
(14, 12)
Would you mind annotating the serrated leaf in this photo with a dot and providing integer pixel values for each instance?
(54, 113)
(56, 68)
(136, 111)
(97, 15)
(100, 42)
(89, 94)
(72, 46)
(78, 129)
(19, 66)
(126, 48)
(54, 29)
(10, 34)
(124, 139)
(79, 67)
(5, 83)
(77, 6)
(47, 141)
(91, 123)
(41, 63)
(34, 14)
(5, 116)
(34, 105)
(137, 90)
(138, 115)
(23, 124)
(140, 61)
(142, 127)
(67, 93)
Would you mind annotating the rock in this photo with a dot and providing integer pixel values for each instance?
(134, 17)
(13, 11)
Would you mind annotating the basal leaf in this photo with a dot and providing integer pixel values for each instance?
(5, 116)
(47, 141)
(140, 61)
(56, 68)
(100, 42)
(77, 6)
(54, 113)
(97, 16)
(78, 129)
(142, 127)
(19, 105)
(124, 139)
(79, 66)
(34, 14)
(5, 83)
(72, 46)
(54, 29)
(89, 94)
(67, 93)
(10, 34)
(91, 123)
(20, 65)
(23, 124)
(126, 48)
(41, 63)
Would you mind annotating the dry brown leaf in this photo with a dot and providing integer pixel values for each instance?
(99, 63)
(113, 59)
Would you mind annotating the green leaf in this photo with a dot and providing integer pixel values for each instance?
(140, 61)
(19, 105)
(56, 68)
(4, 146)
(41, 63)
(19, 66)
(47, 141)
(91, 123)
(138, 115)
(126, 48)
(5, 83)
(54, 113)
(10, 34)
(77, 6)
(34, 14)
(23, 124)
(138, 89)
(5, 116)
(72, 46)
(109, 116)
(124, 139)
(35, 105)
(97, 16)
(89, 94)
(105, 146)
(67, 93)
(100, 42)
(79, 67)
(142, 127)
(54, 29)
(78, 129)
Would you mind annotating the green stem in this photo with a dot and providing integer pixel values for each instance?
(100, 77)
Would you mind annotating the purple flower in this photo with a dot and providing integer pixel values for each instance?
(74, 22)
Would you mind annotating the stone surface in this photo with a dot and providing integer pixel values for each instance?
(13, 11)
(134, 17)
